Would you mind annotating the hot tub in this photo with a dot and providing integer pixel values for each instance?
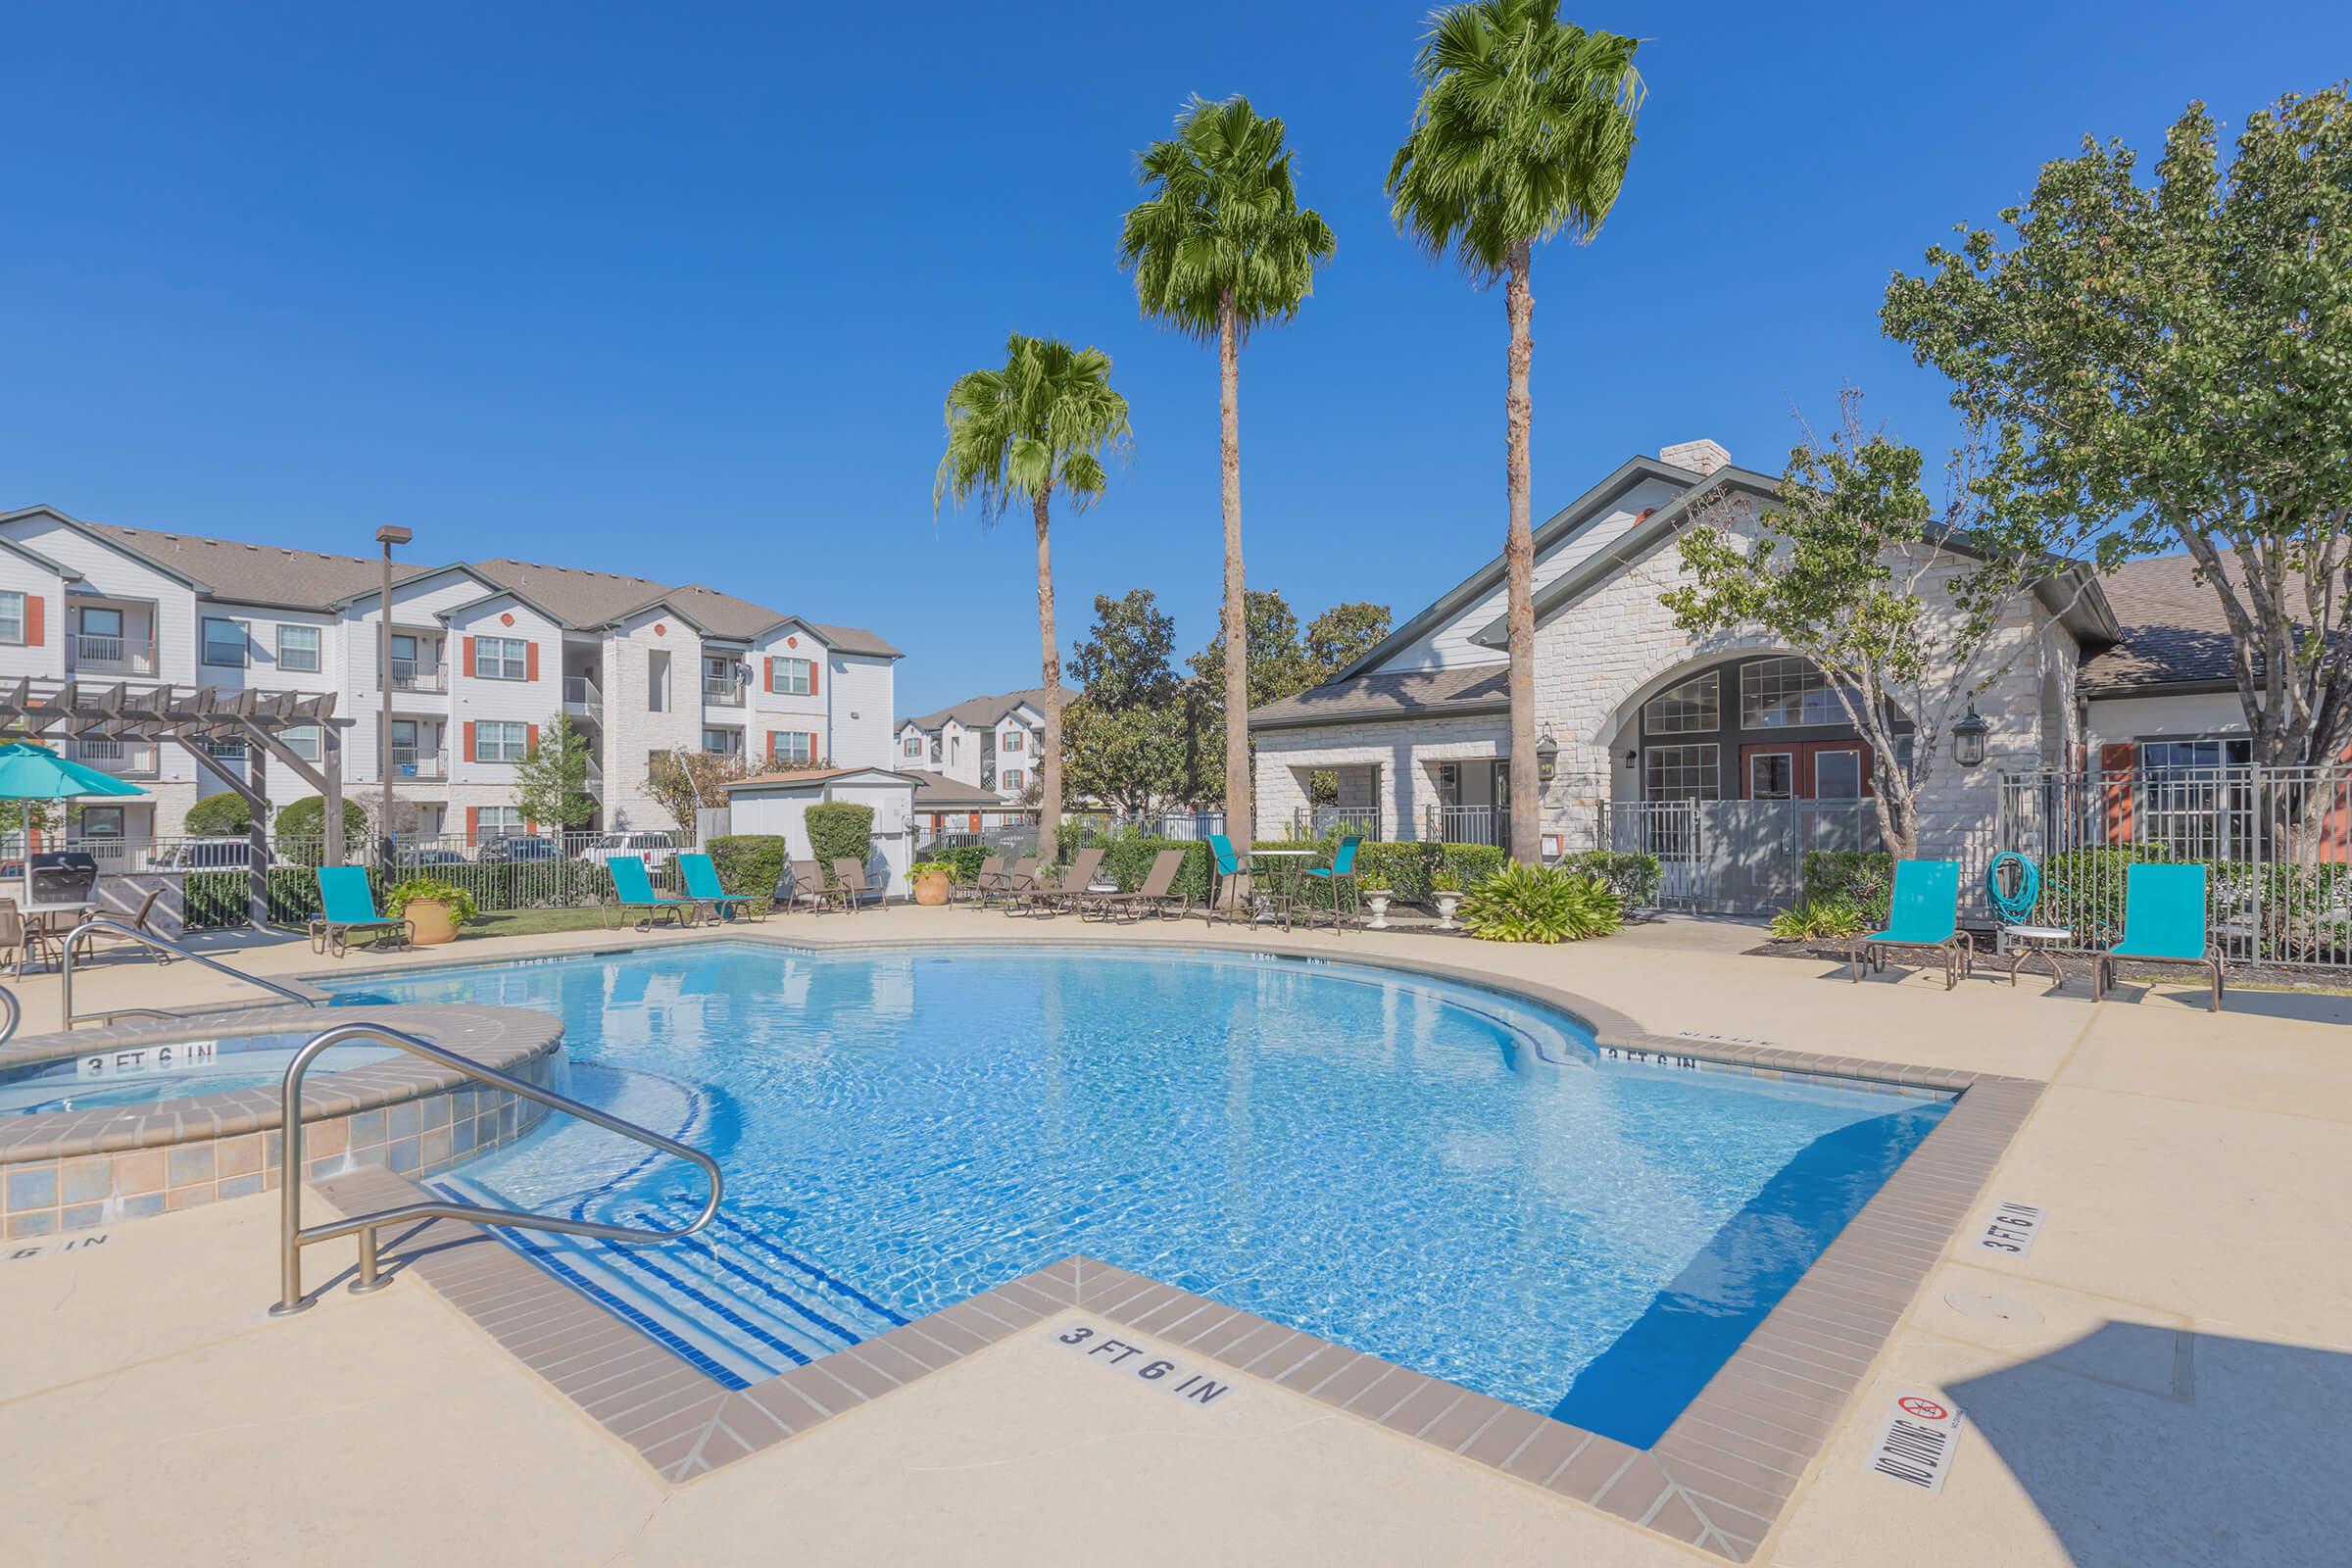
(111, 1124)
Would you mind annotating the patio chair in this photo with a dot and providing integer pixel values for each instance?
(348, 905)
(1155, 894)
(1015, 885)
(1067, 885)
(849, 878)
(16, 937)
(1924, 915)
(988, 880)
(808, 882)
(140, 921)
(1340, 869)
(2164, 922)
(633, 889)
(1230, 863)
(701, 873)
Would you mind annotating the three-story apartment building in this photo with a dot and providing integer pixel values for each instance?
(990, 743)
(484, 654)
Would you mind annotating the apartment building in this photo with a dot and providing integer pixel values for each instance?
(484, 654)
(991, 744)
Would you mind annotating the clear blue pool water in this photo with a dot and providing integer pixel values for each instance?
(138, 1076)
(1433, 1173)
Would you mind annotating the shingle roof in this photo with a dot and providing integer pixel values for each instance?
(938, 792)
(975, 713)
(2174, 630)
(811, 775)
(274, 574)
(1475, 689)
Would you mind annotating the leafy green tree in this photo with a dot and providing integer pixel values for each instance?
(1038, 425)
(1906, 608)
(684, 782)
(1279, 664)
(224, 815)
(1123, 660)
(1132, 759)
(1524, 130)
(1343, 634)
(551, 782)
(299, 829)
(1219, 248)
(2172, 363)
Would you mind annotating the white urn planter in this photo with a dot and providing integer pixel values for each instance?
(1378, 898)
(1447, 903)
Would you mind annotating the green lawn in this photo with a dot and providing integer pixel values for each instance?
(533, 922)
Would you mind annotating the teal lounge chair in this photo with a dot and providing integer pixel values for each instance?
(1925, 916)
(702, 886)
(1229, 864)
(1340, 869)
(347, 905)
(2164, 922)
(632, 889)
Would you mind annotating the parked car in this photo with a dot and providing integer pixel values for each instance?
(426, 855)
(654, 849)
(518, 850)
(204, 854)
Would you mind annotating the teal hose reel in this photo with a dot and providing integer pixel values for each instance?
(2014, 907)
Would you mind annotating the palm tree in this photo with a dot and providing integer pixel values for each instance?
(1525, 127)
(1036, 427)
(1220, 247)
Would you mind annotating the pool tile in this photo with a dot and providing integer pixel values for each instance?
(1553, 1444)
(31, 1223)
(32, 1188)
(84, 1181)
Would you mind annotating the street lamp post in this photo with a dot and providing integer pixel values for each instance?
(389, 535)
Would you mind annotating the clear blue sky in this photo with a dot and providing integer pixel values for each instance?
(680, 290)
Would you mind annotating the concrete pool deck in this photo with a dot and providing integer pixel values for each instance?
(2155, 1383)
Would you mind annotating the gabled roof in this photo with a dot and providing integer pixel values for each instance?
(2173, 631)
(978, 712)
(1397, 694)
(57, 568)
(937, 792)
(495, 595)
(794, 776)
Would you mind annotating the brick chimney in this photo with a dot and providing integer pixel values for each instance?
(1702, 456)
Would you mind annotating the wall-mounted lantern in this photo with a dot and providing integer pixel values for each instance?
(1547, 757)
(1968, 738)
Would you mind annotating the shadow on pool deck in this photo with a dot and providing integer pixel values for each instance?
(1635, 1389)
(2144, 1445)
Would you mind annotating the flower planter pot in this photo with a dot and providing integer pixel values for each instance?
(435, 923)
(1446, 905)
(1378, 898)
(931, 888)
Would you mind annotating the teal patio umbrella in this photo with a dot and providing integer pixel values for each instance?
(29, 772)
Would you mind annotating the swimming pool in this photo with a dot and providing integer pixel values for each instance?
(146, 1074)
(1438, 1174)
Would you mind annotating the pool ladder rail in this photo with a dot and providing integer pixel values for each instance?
(293, 1236)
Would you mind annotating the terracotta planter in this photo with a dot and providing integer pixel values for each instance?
(931, 888)
(435, 923)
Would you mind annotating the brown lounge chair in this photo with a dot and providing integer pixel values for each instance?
(809, 883)
(1156, 895)
(849, 878)
(991, 878)
(1066, 887)
(1013, 885)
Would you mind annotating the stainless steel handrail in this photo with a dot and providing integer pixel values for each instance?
(118, 928)
(16, 1015)
(293, 1238)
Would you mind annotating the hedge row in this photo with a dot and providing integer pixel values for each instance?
(1861, 878)
(749, 863)
(840, 830)
(1404, 869)
(215, 899)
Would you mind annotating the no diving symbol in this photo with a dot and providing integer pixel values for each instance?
(1924, 1409)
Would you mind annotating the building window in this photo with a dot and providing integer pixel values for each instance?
(1013, 779)
(304, 741)
(298, 648)
(224, 643)
(914, 746)
(501, 741)
(656, 683)
(1692, 707)
(500, 823)
(1682, 773)
(792, 747)
(502, 659)
(221, 750)
(1782, 693)
(790, 677)
(723, 742)
(99, 822)
(11, 617)
(1012, 740)
(1772, 776)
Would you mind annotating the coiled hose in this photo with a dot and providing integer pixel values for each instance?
(2013, 908)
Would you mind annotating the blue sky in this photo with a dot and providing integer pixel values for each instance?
(678, 292)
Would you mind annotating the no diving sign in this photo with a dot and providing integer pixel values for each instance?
(1915, 1446)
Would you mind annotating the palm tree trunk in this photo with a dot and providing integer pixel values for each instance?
(1237, 610)
(1519, 564)
(1049, 805)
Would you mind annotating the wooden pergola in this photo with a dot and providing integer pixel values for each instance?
(190, 716)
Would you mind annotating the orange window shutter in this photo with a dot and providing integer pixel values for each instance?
(473, 813)
(468, 642)
(36, 610)
(530, 661)
(771, 686)
(812, 664)
(530, 825)
(530, 739)
(812, 748)
(470, 723)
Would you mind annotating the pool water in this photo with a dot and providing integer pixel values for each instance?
(1436, 1174)
(148, 1074)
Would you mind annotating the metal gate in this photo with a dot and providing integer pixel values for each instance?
(1736, 857)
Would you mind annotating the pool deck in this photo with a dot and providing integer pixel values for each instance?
(2157, 1382)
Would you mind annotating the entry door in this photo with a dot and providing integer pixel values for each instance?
(1804, 771)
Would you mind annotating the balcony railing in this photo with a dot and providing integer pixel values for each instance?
(409, 763)
(114, 756)
(1467, 824)
(581, 699)
(719, 693)
(95, 651)
(409, 677)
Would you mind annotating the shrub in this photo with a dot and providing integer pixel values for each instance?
(216, 900)
(1632, 875)
(2084, 889)
(1408, 870)
(1541, 903)
(433, 890)
(1861, 878)
(750, 863)
(963, 861)
(300, 830)
(223, 817)
(1817, 921)
(840, 830)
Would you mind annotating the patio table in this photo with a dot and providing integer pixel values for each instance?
(2043, 942)
(1282, 877)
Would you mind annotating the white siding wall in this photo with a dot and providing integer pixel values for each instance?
(859, 710)
(46, 659)
(632, 729)
(478, 701)
(772, 711)
(2114, 721)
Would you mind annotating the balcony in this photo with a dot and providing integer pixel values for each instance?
(131, 758)
(581, 699)
(1466, 824)
(410, 764)
(409, 677)
(719, 693)
(111, 656)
